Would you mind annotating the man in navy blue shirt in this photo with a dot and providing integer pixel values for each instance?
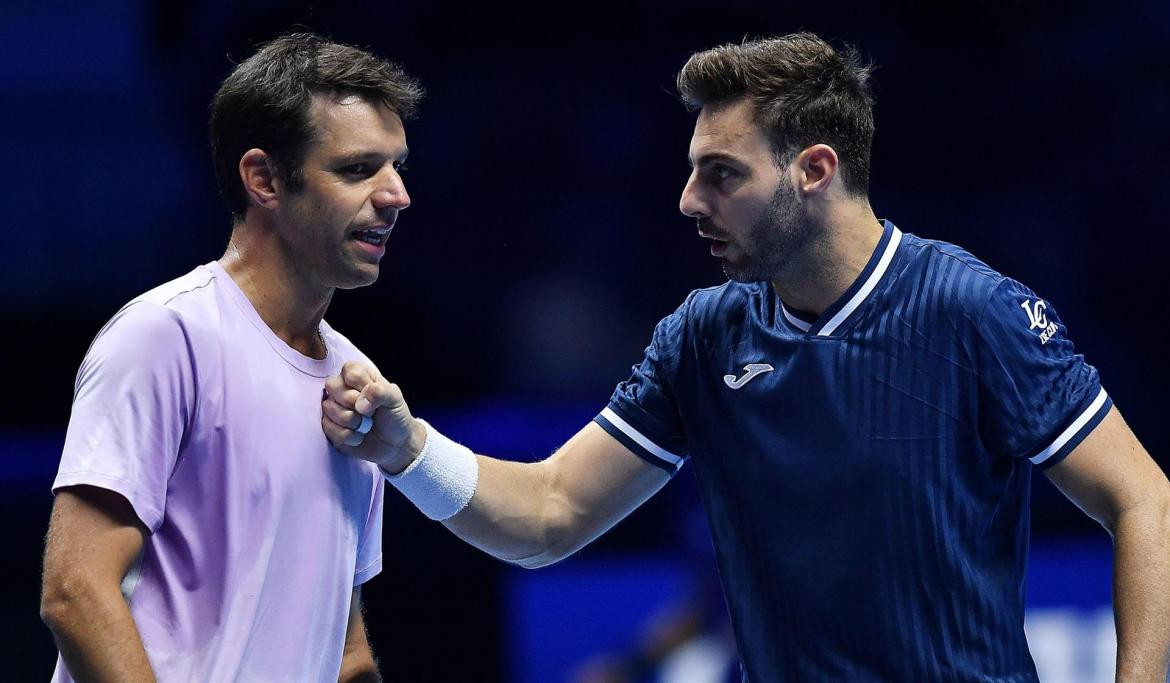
(863, 407)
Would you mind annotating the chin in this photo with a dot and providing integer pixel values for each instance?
(744, 272)
(736, 272)
(362, 278)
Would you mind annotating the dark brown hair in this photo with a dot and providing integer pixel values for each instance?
(265, 103)
(804, 92)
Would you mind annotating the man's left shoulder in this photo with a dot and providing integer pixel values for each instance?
(952, 277)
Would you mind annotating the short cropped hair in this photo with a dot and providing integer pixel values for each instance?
(265, 103)
(804, 92)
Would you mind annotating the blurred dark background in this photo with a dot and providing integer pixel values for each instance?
(544, 239)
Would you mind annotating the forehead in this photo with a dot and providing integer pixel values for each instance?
(729, 129)
(355, 124)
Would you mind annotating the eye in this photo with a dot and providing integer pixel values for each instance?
(360, 169)
(720, 174)
(400, 166)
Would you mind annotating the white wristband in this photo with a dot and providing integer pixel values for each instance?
(442, 479)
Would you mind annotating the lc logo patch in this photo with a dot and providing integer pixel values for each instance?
(1038, 320)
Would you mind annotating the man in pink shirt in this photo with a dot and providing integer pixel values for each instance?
(203, 528)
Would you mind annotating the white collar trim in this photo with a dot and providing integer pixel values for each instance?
(861, 295)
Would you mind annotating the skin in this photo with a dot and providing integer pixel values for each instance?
(357, 663)
(1112, 478)
(296, 249)
(289, 254)
(93, 539)
(794, 224)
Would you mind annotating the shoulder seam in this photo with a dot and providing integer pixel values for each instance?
(109, 321)
(997, 278)
(931, 245)
(210, 279)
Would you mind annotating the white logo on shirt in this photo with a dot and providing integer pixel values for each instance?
(752, 369)
(1037, 319)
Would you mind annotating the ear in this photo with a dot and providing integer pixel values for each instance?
(816, 167)
(258, 173)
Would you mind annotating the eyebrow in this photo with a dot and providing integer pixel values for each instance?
(713, 156)
(359, 156)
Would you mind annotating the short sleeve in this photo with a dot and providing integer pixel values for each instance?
(369, 551)
(1038, 398)
(132, 403)
(642, 413)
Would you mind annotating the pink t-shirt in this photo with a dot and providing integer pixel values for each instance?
(193, 409)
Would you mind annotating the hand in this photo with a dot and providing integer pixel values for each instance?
(395, 438)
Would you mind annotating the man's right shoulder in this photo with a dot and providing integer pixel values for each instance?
(166, 312)
(181, 292)
(721, 305)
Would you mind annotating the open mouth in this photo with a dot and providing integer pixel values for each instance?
(718, 245)
(374, 236)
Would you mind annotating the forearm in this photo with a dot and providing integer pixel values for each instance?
(96, 635)
(357, 666)
(1141, 599)
(503, 508)
(535, 514)
(515, 514)
(531, 514)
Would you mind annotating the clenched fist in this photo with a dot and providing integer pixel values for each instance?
(395, 437)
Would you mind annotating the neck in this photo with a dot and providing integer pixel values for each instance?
(290, 306)
(831, 260)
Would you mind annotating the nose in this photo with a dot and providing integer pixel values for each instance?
(692, 202)
(391, 191)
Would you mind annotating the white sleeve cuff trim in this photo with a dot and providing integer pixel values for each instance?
(1072, 429)
(637, 437)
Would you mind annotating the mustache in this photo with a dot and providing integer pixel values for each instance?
(709, 229)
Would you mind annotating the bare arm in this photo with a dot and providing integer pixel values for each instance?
(357, 663)
(531, 514)
(94, 537)
(534, 514)
(1112, 478)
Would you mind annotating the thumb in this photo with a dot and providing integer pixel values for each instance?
(376, 394)
(369, 400)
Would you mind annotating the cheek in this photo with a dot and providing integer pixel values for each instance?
(345, 205)
(748, 210)
(329, 210)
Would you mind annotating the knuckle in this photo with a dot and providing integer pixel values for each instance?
(354, 372)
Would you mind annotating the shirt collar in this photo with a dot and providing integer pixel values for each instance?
(857, 294)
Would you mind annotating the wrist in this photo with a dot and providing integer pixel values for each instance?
(417, 440)
(401, 456)
(442, 477)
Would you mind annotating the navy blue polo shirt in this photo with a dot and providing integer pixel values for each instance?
(866, 472)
